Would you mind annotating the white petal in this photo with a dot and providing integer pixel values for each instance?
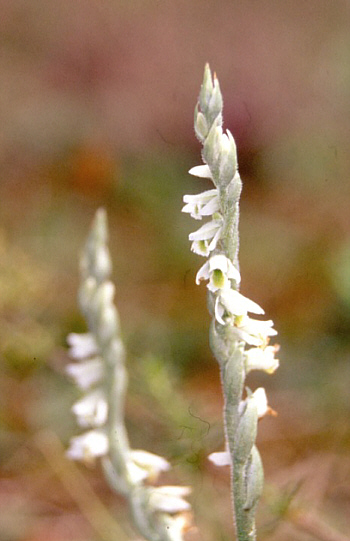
(149, 461)
(262, 359)
(207, 231)
(260, 399)
(252, 331)
(212, 206)
(174, 490)
(203, 273)
(222, 263)
(136, 474)
(221, 459)
(203, 204)
(219, 311)
(200, 247)
(200, 198)
(215, 240)
(169, 499)
(81, 345)
(92, 410)
(238, 305)
(87, 446)
(201, 171)
(86, 373)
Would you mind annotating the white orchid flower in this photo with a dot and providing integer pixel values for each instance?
(152, 464)
(86, 373)
(235, 304)
(254, 332)
(206, 237)
(259, 358)
(81, 345)
(202, 204)
(169, 499)
(88, 446)
(219, 270)
(92, 410)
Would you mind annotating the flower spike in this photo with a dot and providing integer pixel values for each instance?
(232, 329)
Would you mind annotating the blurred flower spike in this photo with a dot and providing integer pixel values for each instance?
(98, 369)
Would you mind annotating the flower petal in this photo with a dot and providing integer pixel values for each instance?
(236, 304)
(203, 273)
(86, 373)
(207, 231)
(222, 458)
(154, 464)
(201, 171)
(92, 410)
(81, 345)
(259, 358)
(87, 446)
(169, 499)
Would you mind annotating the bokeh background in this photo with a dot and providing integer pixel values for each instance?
(96, 108)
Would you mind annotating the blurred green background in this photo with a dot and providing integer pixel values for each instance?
(96, 105)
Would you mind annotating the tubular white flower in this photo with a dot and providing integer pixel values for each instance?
(92, 410)
(169, 499)
(88, 446)
(260, 400)
(202, 204)
(222, 458)
(153, 464)
(253, 331)
(219, 271)
(259, 358)
(81, 345)
(201, 171)
(210, 231)
(235, 304)
(86, 373)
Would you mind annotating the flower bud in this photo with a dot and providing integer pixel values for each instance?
(201, 127)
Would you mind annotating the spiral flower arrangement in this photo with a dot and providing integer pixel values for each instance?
(239, 342)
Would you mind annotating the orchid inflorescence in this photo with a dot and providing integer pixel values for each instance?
(161, 513)
(239, 342)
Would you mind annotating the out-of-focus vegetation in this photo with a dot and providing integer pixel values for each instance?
(96, 109)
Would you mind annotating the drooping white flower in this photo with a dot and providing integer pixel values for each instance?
(219, 270)
(221, 458)
(135, 473)
(88, 446)
(254, 332)
(149, 461)
(92, 410)
(169, 499)
(81, 345)
(86, 373)
(260, 400)
(260, 358)
(202, 204)
(149, 464)
(235, 304)
(206, 237)
(201, 171)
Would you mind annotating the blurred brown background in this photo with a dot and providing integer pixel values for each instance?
(96, 108)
